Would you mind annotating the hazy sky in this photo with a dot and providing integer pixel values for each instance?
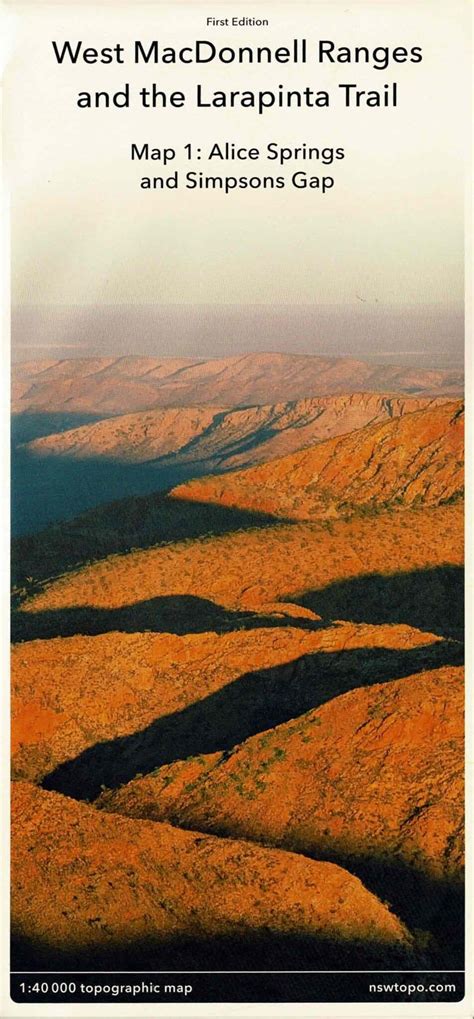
(418, 336)
(83, 233)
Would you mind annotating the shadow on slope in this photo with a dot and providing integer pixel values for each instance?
(179, 613)
(29, 425)
(48, 490)
(115, 528)
(432, 908)
(249, 951)
(430, 599)
(250, 704)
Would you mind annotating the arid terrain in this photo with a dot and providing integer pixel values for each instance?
(237, 697)
(145, 887)
(75, 448)
(409, 459)
(110, 385)
(218, 439)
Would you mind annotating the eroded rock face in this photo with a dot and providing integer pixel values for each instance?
(417, 457)
(375, 774)
(95, 882)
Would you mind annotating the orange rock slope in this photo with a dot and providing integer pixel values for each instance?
(249, 569)
(418, 457)
(156, 697)
(88, 882)
(374, 774)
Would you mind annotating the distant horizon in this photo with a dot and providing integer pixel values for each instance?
(429, 336)
(198, 358)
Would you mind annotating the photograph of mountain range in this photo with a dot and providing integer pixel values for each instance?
(237, 663)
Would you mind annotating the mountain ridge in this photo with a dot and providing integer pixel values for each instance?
(221, 437)
(417, 457)
(139, 889)
(390, 734)
(125, 384)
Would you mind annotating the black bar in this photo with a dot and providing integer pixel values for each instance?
(236, 987)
